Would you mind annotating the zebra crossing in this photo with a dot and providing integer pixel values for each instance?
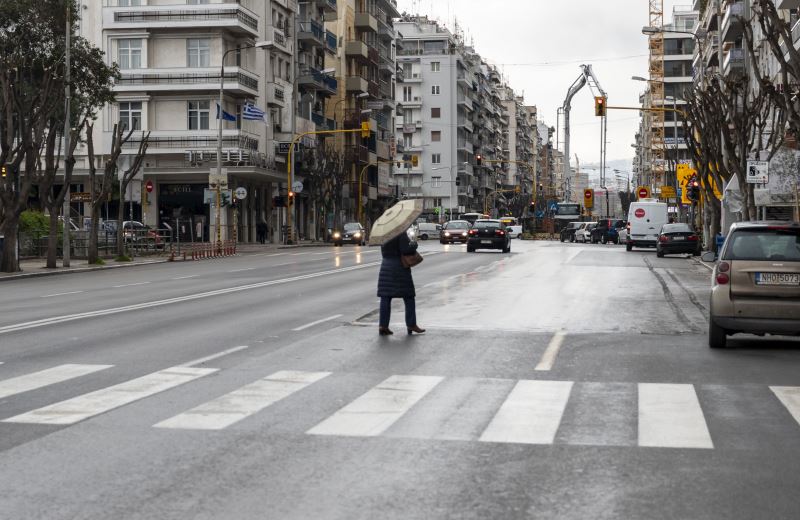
(486, 410)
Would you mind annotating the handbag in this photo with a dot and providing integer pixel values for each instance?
(410, 261)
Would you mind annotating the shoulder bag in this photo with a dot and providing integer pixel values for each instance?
(410, 261)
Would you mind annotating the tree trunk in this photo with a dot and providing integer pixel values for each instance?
(10, 264)
(120, 234)
(52, 241)
(92, 255)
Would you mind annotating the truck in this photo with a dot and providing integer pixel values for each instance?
(645, 218)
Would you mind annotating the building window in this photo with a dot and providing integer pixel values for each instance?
(128, 3)
(130, 115)
(129, 54)
(436, 113)
(407, 70)
(435, 183)
(198, 52)
(435, 66)
(198, 115)
(436, 158)
(406, 93)
(407, 138)
(407, 117)
(437, 201)
(436, 136)
(435, 90)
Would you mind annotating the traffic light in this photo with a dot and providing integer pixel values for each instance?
(478, 159)
(415, 160)
(365, 129)
(3, 171)
(599, 106)
(290, 199)
(694, 190)
(532, 208)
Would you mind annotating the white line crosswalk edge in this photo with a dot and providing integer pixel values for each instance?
(88, 405)
(789, 396)
(244, 402)
(670, 417)
(379, 408)
(50, 376)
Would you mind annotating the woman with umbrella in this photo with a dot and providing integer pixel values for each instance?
(394, 280)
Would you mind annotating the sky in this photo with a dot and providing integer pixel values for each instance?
(540, 44)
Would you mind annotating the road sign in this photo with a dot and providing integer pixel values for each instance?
(588, 198)
(668, 192)
(80, 196)
(643, 192)
(240, 193)
(297, 187)
(283, 147)
(639, 212)
(757, 172)
(214, 180)
(148, 186)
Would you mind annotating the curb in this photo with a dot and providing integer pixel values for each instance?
(69, 270)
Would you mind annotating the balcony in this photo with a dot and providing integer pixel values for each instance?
(366, 22)
(356, 154)
(731, 27)
(733, 61)
(466, 124)
(329, 7)
(276, 95)
(230, 16)
(171, 141)
(331, 42)
(413, 102)
(464, 144)
(278, 40)
(312, 79)
(238, 81)
(311, 31)
(787, 4)
(357, 49)
(322, 123)
(409, 128)
(385, 31)
(466, 102)
(356, 84)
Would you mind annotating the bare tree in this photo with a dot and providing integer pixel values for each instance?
(327, 171)
(127, 177)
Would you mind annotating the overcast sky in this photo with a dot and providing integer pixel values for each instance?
(539, 45)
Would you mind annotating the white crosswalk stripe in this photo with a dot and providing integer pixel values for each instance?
(372, 413)
(244, 402)
(88, 405)
(789, 396)
(670, 417)
(47, 377)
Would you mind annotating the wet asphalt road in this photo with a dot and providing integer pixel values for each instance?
(557, 381)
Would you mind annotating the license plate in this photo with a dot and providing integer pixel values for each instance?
(486, 241)
(679, 237)
(777, 278)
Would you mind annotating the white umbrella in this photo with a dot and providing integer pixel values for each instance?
(394, 221)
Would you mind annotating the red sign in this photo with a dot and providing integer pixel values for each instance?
(643, 193)
(149, 186)
(639, 213)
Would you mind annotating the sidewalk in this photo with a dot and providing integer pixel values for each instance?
(36, 267)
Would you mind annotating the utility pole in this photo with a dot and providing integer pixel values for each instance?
(67, 130)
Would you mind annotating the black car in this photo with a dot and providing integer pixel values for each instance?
(607, 230)
(568, 233)
(351, 233)
(677, 238)
(454, 231)
(488, 234)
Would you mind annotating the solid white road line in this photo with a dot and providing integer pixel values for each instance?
(374, 412)
(670, 417)
(50, 376)
(789, 396)
(278, 254)
(88, 405)
(531, 414)
(212, 357)
(170, 301)
(60, 294)
(186, 277)
(129, 285)
(549, 356)
(244, 402)
(323, 320)
(240, 270)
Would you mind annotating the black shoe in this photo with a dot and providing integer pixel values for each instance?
(384, 331)
(416, 329)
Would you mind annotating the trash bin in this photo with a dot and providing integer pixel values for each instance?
(720, 238)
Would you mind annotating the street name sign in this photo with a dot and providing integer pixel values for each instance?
(80, 196)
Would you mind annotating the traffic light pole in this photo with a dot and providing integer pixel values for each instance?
(289, 201)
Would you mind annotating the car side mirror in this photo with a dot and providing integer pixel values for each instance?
(709, 256)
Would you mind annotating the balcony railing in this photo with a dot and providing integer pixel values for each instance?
(189, 142)
(152, 14)
(310, 30)
(331, 41)
(155, 78)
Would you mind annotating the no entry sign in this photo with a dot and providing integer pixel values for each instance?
(643, 192)
(148, 186)
(639, 213)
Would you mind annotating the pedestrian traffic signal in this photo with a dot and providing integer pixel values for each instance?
(290, 199)
(478, 159)
(694, 190)
(599, 106)
(365, 131)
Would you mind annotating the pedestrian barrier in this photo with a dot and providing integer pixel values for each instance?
(203, 250)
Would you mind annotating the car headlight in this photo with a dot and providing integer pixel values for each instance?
(464, 234)
(337, 234)
(357, 234)
(447, 233)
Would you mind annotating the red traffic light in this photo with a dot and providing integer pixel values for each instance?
(478, 159)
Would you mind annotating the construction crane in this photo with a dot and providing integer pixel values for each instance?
(658, 144)
(587, 77)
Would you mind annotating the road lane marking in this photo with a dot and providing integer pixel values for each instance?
(50, 376)
(170, 301)
(60, 294)
(531, 414)
(244, 402)
(89, 405)
(130, 285)
(299, 254)
(186, 277)
(243, 269)
(379, 408)
(670, 417)
(323, 320)
(550, 354)
(789, 396)
(213, 356)
(278, 254)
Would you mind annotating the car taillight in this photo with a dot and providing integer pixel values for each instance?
(473, 232)
(663, 238)
(722, 278)
(499, 232)
(723, 267)
(693, 238)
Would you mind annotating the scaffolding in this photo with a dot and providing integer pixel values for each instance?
(657, 142)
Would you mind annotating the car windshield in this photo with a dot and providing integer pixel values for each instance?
(676, 228)
(764, 244)
(574, 225)
(352, 227)
(457, 225)
(486, 224)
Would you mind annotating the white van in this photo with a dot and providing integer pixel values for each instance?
(645, 218)
(428, 230)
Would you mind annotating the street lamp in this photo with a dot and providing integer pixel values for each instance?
(344, 100)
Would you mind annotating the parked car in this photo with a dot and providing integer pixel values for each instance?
(514, 231)
(488, 234)
(756, 282)
(623, 235)
(678, 238)
(140, 235)
(454, 230)
(567, 234)
(607, 230)
(351, 233)
(427, 230)
(584, 232)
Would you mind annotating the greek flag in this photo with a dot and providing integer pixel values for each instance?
(252, 112)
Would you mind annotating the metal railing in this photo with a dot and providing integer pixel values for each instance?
(186, 16)
(185, 79)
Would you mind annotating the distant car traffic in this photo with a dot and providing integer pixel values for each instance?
(454, 231)
(584, 232)
(488, 234)
(567, 234)
(607, 230)
(351, 233)
(427, 230)
(514, 231)
(756, 282)
(678, 238)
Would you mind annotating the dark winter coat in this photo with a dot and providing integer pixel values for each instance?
(395, 280)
